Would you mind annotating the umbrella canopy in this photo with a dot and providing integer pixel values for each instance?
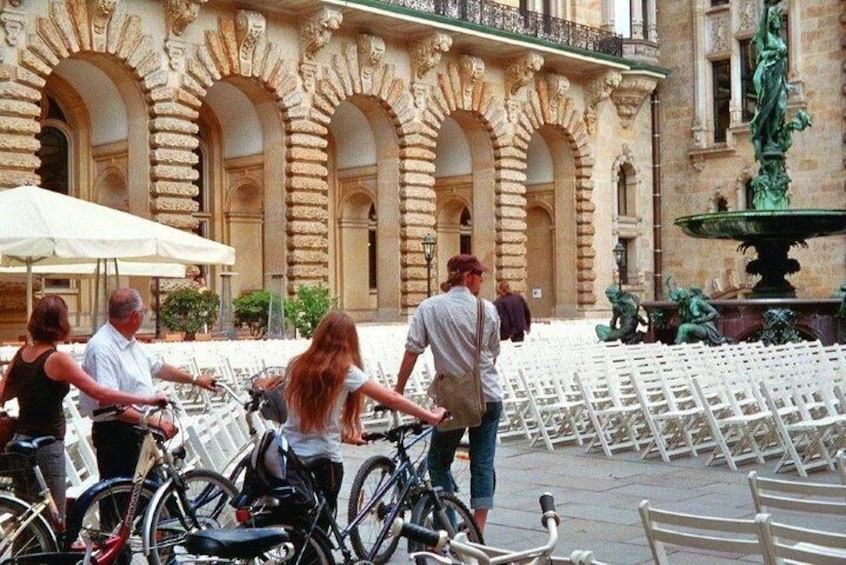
(100, 267)
(45, 227)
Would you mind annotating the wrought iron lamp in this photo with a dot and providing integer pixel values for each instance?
(429, 243)
(620, 260)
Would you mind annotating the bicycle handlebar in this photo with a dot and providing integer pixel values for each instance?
(395, 434)
(437, 540)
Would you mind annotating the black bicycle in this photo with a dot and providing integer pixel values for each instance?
(384, 489)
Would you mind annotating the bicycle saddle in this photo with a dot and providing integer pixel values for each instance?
(29, 446)
(235, 544)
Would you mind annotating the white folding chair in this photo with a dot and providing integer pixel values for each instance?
(807, 441)
(735, 537)
(783, 543)
(796, 496)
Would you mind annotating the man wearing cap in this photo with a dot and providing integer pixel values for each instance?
(447, 322)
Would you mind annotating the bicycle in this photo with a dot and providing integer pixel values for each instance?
(28, 526)
(384, 488)
(104, 518)
(438, 546)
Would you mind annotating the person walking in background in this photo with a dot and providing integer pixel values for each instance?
(324, 391)
(115, 359)
(39, 376)
(515, 319)
(447, 323)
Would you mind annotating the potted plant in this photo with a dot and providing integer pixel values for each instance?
(306, 310)
(189, 310)
(251, 310)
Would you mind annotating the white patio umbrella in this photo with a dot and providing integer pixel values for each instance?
(109, 267)
(38, 226)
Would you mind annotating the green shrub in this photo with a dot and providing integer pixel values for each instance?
(251, 311)
(306, 310)
(189, 310)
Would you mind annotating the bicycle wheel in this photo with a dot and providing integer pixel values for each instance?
(373, 474)
(460, 518)
(208, 496)
(36, 537)
(101, 515)
(316, 549)
(236, 476)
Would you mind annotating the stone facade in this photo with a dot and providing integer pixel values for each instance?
(325, 143)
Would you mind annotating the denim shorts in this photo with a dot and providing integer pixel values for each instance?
(482, 452)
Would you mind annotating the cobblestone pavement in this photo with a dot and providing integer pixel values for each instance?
(598, 498)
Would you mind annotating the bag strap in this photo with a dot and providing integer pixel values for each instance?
(479, 318)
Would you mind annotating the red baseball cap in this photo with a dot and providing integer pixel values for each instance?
(465, 263)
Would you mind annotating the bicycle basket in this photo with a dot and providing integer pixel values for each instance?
(16, 473)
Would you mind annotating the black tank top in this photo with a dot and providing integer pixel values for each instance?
(40, 411)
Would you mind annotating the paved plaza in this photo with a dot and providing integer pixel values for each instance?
(598, 498)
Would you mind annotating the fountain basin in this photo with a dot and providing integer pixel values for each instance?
(772, 233)
(789, 226)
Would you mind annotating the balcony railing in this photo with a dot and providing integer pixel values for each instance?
(491, 14)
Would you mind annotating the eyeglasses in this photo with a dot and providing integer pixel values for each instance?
(142, 311)
(477, 273)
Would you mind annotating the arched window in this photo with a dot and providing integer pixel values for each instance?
(54, 155)
(372, 256)
(465, 237)
(622, 192)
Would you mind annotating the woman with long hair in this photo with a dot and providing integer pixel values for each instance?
(39, 376)
(325, 389)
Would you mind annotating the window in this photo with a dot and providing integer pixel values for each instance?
(372, 257)
(622, 193)
(54, 169)
(722, 98)
(623, 267)
(719, 3)
(465, 240)
(750, 195)
(748, 60)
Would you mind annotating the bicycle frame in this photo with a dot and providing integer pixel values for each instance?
(151, 455)
(46, 505)
(482, 554)
(406, 473)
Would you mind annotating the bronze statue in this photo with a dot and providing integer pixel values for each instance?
(625, 317)
(771, 135)
(698, 317)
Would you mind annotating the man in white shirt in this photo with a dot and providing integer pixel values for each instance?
(115, 359)
(447, 322)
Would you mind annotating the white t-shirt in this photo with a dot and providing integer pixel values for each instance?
(327, 443)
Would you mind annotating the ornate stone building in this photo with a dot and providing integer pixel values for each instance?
(325, 139)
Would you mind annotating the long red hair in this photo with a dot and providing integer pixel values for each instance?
(316, 377)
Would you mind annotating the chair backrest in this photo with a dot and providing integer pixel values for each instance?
(797, 496)
(711, 533)
(793, 544)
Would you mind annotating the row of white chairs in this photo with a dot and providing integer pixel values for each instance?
(738, 402)
(779, 531)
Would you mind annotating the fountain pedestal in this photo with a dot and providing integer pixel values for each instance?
(743, 319)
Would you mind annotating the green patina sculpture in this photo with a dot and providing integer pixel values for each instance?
(780, 327)
(771, 134)
(625, 317)
(697, 316)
